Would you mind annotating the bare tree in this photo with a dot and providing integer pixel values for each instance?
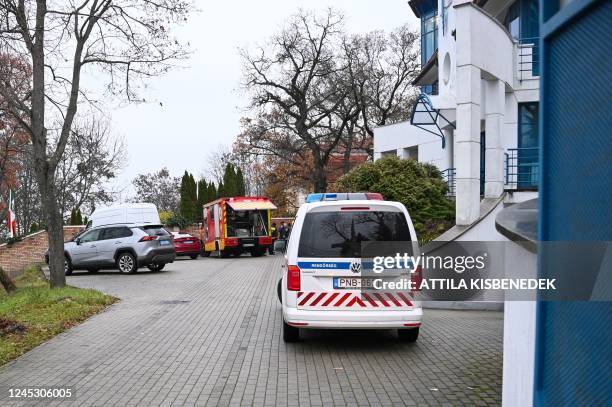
(92, 158)
(293, 88)
(126, 39)
(381, 69)
(159, 188)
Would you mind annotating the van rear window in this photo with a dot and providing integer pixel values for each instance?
(340, 234)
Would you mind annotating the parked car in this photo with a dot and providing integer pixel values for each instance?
(187, 245)
(124, 247)
(324, 285)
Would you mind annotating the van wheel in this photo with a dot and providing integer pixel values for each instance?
(126, 263)
(290, 333)
(408, 335)
(278, 290)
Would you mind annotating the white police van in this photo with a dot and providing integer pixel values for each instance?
(324, 283)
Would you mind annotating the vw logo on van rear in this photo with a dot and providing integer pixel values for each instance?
(356, 266)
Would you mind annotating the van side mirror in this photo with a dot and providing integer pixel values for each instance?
(77, 241)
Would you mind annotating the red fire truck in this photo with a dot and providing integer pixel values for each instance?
(237, 225)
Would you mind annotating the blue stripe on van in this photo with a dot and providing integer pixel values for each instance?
(324, 265)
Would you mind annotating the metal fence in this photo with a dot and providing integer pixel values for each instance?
(521, 168)
(449, 177)
(528, 58)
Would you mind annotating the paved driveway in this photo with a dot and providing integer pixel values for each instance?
(208, 332)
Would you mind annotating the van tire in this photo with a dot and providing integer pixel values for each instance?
(290, 333)
(278, 290)
(408, 335)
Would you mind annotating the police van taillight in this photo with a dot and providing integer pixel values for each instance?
(416, 279)
(293, 278)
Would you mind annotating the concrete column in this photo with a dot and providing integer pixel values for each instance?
(495, 94)
(467, 145)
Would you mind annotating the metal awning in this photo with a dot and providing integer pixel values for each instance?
(250, 205)
(425, 117)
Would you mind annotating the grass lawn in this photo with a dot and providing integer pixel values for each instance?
(35, 313)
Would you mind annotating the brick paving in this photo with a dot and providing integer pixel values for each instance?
(208, 332)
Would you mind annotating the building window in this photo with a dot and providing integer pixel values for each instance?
(430, 89)
(390, 153)
(528, 140)
(429, 35)
(522, 22)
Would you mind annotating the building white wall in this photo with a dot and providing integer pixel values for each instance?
(400, 136)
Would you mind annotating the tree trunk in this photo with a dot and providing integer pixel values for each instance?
(319, 178)
(55, 231)
(6, 282)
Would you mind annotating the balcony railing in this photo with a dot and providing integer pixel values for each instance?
(522, 169)
(449, 177)
(528, 58)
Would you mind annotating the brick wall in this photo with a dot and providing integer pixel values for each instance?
(30, 250)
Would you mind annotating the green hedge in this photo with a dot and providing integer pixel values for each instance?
(418, 186)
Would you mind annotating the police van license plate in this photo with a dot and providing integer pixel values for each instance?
(352, 283)
(163, 242)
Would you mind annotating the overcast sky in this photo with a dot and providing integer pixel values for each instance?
(201, 104)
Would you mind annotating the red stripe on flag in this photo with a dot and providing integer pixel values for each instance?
(330, 299)
(319, 298)
(381, 299)
(405, 299)
(370, 300)
(341, 300)
(392, 298)
(305, 300)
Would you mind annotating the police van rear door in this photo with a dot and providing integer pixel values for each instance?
(334, 276)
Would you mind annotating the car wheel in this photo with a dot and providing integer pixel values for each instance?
(278, 290)
(290, 333)
(193, 256)
(156, 267)
(126, 263)
(67, 266)
(408, 335)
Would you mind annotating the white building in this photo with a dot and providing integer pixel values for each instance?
(481, 84)
(477, 121)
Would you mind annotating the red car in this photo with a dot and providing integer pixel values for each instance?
(187, 245)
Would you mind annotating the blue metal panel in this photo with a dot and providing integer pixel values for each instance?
(573, 350)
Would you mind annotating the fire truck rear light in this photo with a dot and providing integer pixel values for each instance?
(265, 240)
(148, 238)
(231, 241)
(375, 196)
(293, 278)
(417, 279)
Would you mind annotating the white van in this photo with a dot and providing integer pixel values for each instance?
(134, 213)
(325, 282)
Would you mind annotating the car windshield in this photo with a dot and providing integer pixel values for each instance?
(340, 234)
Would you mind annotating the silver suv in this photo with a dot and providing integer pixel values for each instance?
(120, 246)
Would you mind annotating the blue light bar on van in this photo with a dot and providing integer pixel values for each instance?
(343, 196)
